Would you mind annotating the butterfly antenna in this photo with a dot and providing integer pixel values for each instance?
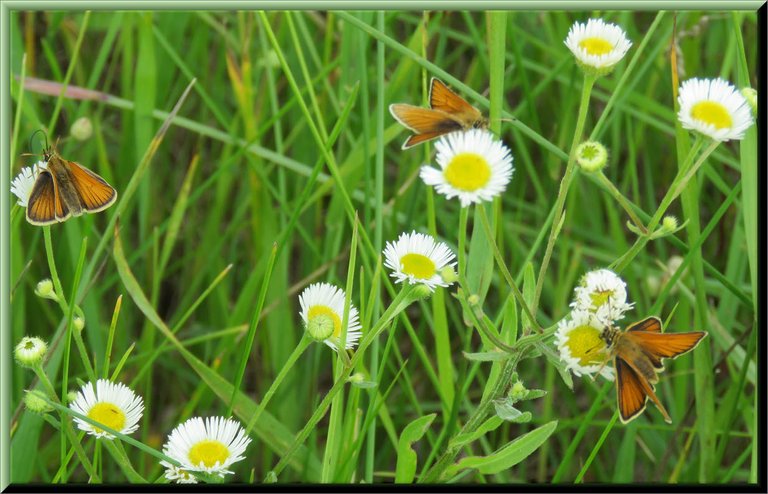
(38, 131)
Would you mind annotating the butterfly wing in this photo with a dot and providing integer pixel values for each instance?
(423, 120)
(652, 324)
(442, 98)
(419, 138)
(665, 345)
(630, 393)
(94, 192)
(44, 206)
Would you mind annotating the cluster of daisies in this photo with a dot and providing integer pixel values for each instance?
(599, 301)
(206, 446)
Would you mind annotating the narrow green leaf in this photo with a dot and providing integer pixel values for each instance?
(489, 425)
(508, 456)
(406, 456)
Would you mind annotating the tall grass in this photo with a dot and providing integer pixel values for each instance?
(253, 155)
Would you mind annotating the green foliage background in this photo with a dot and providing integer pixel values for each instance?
(221, 188)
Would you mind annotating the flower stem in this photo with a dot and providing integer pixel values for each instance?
(400, 302)
(681, 180)
(52, 267)
(621, 200)
(565, 183)
(474, 421)
(292, 359)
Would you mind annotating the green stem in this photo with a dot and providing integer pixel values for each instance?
(54, 272)
(565, 184)
(463, 216)
(66, 424)
(505, 272)
(602, 179)
(400, 302)
(292, 359)
(682, 179)
(474, 421)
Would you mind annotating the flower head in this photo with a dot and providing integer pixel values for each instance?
(322, 310)
(418, 258)
(21, 185)
(603, 294)
(474, 166)
(179, 475)
(582, 348)
(211, 446)
(597, 45)
(30, 351)
(591, 156)
(112, 404)
(715, 108)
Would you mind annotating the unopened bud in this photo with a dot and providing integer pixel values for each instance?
(591, 156)
(36, 402)
(751, 96)
(82, 129)
(320, 327)
(30, 351)
(44, 289)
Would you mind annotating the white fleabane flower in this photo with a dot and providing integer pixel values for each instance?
(418, 258)
(112, 404)
(322, 310)
(597, 45)
(209, 446)
(603, 294)
(179, 475)
(474, 166)
(21, 185)
(582, 348)
(715, 108)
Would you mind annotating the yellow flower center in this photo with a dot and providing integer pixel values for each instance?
(108, 414)
(322, 311)
(208, 452)
(600, 297)
(468, 171)
(418, 266)
(585, 344)
(596, 46)
(712, 113)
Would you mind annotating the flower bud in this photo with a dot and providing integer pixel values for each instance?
(79, 323)
(82, 129)
(35, 402)
(473, 299)
(320, 327)
(751, 96)
(449, 275)
(591, 156)
(518, 391)
(669, 223)
(357, 377)
(30, 351)
(44, 289)
(421, 291)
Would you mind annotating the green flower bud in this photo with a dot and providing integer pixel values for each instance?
(591, 156)
(320, 327)
(30, 351)
(751, 96)
(44, 289)
(36, 402)
(82, 129)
